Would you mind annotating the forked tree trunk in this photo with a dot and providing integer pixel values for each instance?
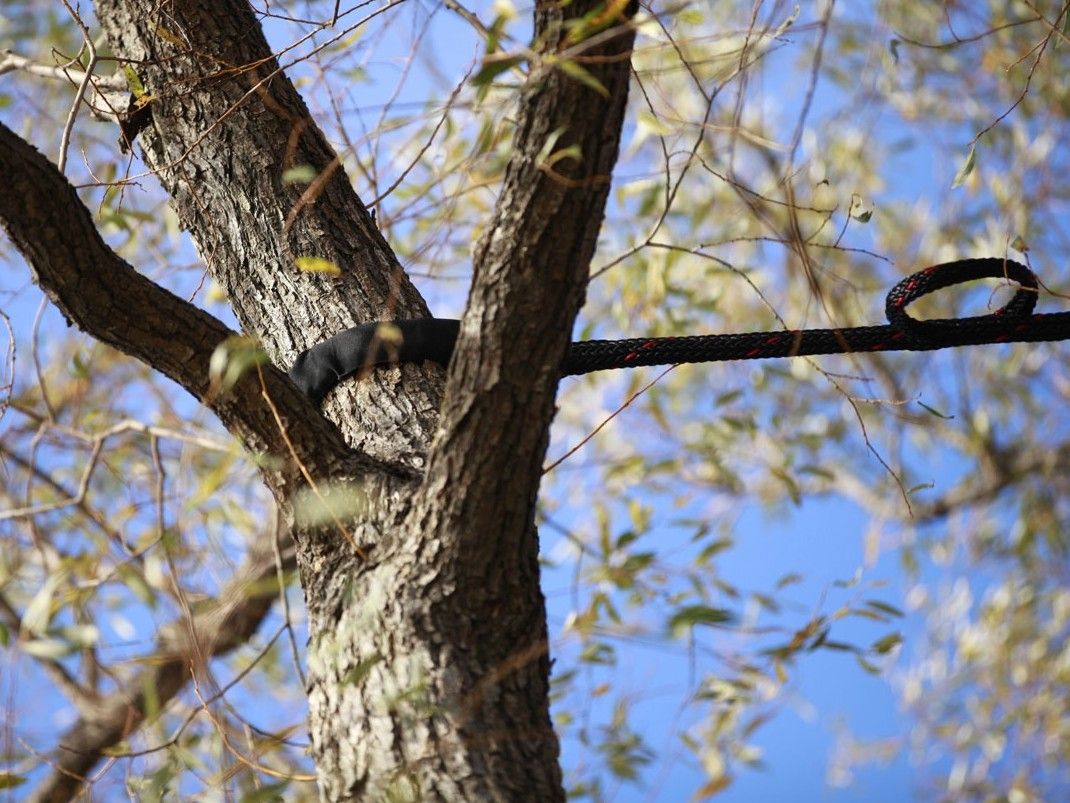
(427, 662)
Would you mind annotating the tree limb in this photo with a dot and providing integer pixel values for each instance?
(478, 570)
(105, 297)
(13, 62)
(531, 268)
(185, 644)
(226, 125)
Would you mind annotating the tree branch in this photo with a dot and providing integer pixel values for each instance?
(475, 512)
(242, 605)
(105, 297)
(531, 269)
(226, 125)
(13, 62)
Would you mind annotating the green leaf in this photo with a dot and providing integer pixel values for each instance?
(603, 15)
(788, 579)
(78, 367)
(150, 696)
(789, 483)
(598, 653)
(766, 601)
(491, 69)
(727, 397)
(837, 646)
(574, 70)
(967, 167)
(361, 670)
(870, 668)
(299, 174)
(884, 607)
(133, 81)
(548, 156)
(864, 613)
(329, 504)
(118, 219)
(39, 612)
(788, 21)
(888, 643)
(817, 471)
(80, 636)
(269, 793)
(713, 548)
(155, 788)
(692, 615)
(934, 411)
(860, 210)
(9, 780)
(133, 580)
(173, 38)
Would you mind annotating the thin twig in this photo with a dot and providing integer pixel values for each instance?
(72, 115)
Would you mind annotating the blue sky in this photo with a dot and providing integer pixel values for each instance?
(822, 540)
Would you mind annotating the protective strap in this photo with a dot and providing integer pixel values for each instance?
(372, 345)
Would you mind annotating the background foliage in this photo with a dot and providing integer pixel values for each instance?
(784, 164)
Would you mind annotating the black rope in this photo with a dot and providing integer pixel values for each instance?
(323, 366)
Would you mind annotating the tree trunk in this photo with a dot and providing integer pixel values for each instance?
(428, 660)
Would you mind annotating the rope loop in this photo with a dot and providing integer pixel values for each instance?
(937, 277)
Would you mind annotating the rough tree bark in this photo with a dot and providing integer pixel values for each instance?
(428, 666)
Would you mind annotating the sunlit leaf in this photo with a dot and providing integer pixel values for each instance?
(51, 649)
(311, 264)
(329, 504)
(38, 613)
(361, 670)
(584, 76)
(268, 793)
(133, 81)
(232, 359)
(134, 580)
(492, 68)
(300, 174)
(966, 168)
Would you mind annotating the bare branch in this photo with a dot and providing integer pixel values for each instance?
(87, 76)
(11, 62)
(241, 607)
(109, 93)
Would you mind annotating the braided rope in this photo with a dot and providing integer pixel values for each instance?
(320, 368)
(1013, 322)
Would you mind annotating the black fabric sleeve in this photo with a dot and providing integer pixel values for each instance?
(318, 369)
